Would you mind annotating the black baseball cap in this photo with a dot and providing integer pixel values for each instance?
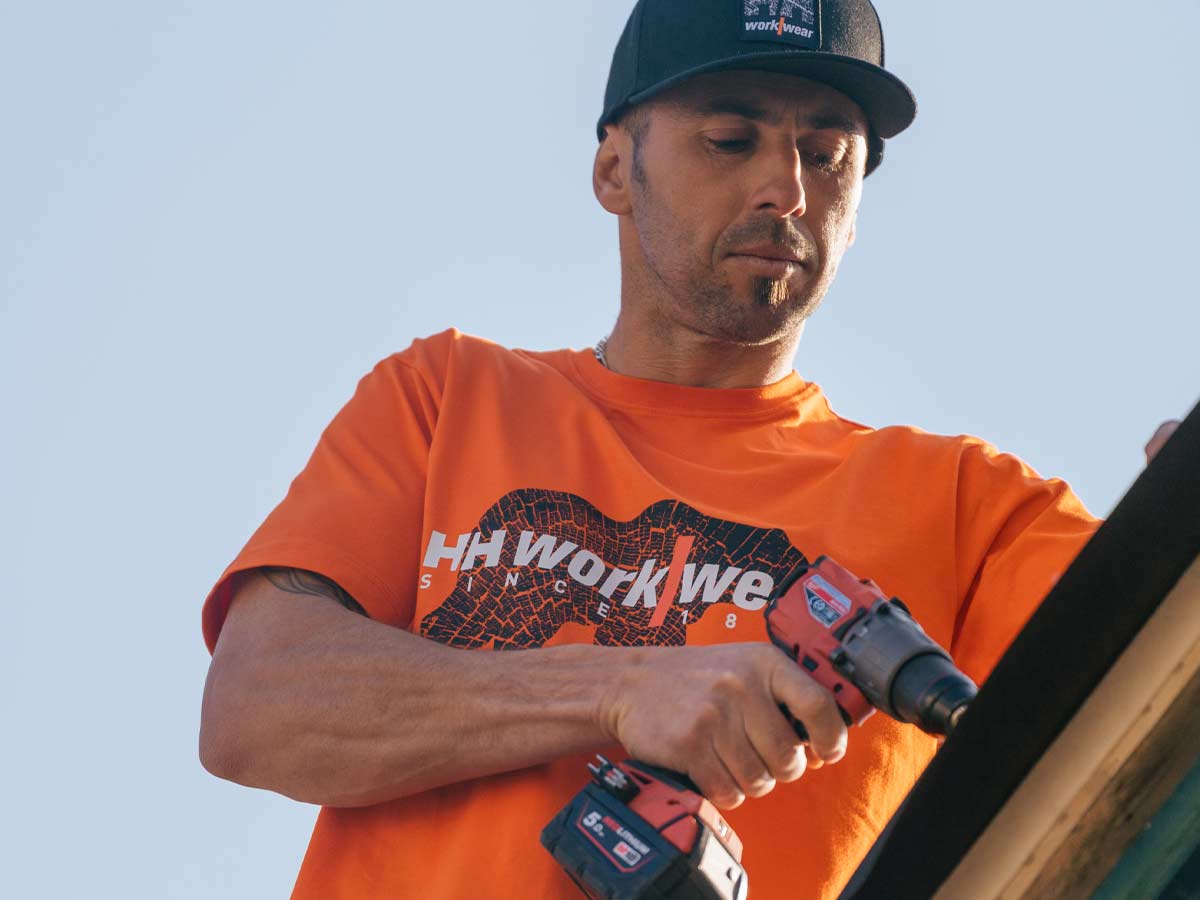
(835, 42)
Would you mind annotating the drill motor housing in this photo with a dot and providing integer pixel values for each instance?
(866, 649)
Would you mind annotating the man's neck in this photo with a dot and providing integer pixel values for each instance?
(669, 352)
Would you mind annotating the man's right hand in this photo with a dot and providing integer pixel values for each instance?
(713, 713)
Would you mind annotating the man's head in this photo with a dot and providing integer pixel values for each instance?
(836, 42)
(737, 193)
(734, 140)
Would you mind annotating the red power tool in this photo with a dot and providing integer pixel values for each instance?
(637, 832)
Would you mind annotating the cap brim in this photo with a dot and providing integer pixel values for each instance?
(888, 103)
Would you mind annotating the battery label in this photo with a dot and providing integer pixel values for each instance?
(627, 853)
(622, 847)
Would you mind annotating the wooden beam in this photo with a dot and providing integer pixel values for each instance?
(1156, 863)
(1106, 774)
(1125, 803)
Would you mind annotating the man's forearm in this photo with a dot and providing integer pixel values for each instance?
(329, 707)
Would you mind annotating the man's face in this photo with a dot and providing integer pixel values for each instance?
(744, 188)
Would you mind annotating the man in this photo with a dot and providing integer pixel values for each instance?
(618, 518)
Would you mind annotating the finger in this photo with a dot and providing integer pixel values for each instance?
(1161, 436)
(814, 761)
(715, 781)
(742, 761)
(774, 740)
(815, 707)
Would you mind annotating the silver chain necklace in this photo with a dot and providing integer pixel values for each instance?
(599, 350)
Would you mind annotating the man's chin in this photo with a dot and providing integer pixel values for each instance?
(754, 325)
(753, 312)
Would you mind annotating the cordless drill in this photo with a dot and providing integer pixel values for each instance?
(638, 832)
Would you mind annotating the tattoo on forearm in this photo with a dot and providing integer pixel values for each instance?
(301, 581)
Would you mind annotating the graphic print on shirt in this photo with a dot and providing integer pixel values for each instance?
(540, 559)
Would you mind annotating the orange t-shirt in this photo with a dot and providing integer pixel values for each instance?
(489, 498)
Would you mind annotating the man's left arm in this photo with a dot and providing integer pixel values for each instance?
(1016, 534)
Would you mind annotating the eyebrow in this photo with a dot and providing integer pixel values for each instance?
(729, 106)
(746, 109)
(836, 121)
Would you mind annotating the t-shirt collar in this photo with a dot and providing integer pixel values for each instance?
(676, 399)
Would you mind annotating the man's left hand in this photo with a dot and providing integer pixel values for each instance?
(1165, 430)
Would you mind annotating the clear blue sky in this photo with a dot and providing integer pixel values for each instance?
(215, 216)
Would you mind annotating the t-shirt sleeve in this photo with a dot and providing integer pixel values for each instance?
(354, 513)
(1016, 533)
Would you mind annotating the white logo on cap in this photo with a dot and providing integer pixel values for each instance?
(794, 22)
(789, 8)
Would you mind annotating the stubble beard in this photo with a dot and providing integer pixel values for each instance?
(771, 293)
(772, 310)
(773, 307)
(709, 302)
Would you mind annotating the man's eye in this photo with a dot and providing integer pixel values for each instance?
(826, 162)
(729, 146)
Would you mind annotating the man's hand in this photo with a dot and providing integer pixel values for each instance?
(713, 713)
(1161, 436)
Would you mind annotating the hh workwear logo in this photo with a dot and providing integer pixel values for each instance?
(539, 560)
(796, 22)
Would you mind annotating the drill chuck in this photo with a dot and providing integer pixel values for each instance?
(903, 671)
(931, 693)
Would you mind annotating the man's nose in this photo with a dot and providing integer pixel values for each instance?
(781, 189)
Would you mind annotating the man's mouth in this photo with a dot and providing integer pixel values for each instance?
(770, 259)
(772, 252)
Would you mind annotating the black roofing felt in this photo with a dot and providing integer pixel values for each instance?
(1115, 584)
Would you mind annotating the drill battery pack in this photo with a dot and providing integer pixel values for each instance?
(636, 832)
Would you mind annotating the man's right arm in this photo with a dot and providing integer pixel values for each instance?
(315, 701)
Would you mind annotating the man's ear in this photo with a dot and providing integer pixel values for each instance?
(853, 232)
(611, 171)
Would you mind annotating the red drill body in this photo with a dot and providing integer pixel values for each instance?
(866, 649)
